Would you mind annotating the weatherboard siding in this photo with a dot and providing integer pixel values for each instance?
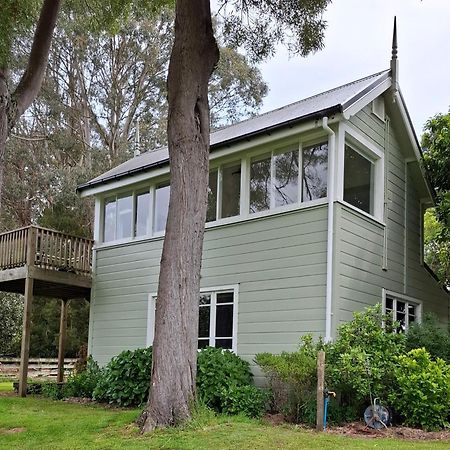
(360, 248)
(278, 262)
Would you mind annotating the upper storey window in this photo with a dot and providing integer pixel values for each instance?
(162, 194)
(276, 178)
(236, 189)
(224, 192)
(118, 214)
(358, 180)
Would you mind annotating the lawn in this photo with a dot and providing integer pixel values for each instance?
(6, 386)
(37, 423)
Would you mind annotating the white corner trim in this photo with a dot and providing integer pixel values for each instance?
(367, 98)
(150, 319)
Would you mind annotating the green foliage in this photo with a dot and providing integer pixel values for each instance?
(16, 18)
(437, 244)
(293, 378)
(260, 25)
(45, 330)
(431, 336)
(11, 311)
(125, 380)
(436, 160)
(217, 371)
(83, 383)
(247, 400)
(47, 389)
(362, 359)
(423, 394)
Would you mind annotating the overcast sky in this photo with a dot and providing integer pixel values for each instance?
(358, 43)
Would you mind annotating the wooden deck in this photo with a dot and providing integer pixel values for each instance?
(60, 264)
(37, 261)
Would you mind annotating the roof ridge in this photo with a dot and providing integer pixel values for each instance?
(302, 100)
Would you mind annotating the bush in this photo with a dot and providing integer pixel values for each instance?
(49, 389)
(83, 382)
(293, 378)
(363, 358)
(423, 395)
(431, 336)
(125, 381)
(217, 371)
(248, 400)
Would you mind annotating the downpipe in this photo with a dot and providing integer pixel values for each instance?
(330, 228)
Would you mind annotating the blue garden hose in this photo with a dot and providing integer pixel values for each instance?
(326, 395)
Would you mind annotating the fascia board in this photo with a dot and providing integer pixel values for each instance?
(258, 140)
(354, 106)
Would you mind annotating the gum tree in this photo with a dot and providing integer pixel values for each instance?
(16, 17)
(257, 26)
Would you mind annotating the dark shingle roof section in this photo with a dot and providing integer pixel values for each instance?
(325, 103)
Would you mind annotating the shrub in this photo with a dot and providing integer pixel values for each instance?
(293, 378)
(217, 371)
(248, 400)
(49, 389)
(423, 394)
(363, 358)
(125, 380)
(83, 382)
(431, 336)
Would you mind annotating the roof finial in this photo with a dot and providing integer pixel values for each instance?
(394, 40)
(394, 60)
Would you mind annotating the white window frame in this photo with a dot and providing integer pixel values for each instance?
(407, 300)
(375, 155)
(213, 291)
(219, 187)
(298, 147)
(243, 160)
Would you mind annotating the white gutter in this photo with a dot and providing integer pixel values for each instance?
(330, 232)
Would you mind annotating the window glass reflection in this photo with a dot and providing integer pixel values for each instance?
(260, 184)
(162, 194)
(231, 190)
(286, 178)
(315, 172)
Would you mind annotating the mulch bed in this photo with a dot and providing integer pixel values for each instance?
(359, 429)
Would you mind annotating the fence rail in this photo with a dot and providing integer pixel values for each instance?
(45, 248)
(37, 367)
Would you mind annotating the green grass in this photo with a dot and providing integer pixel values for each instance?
(6, 386)
(36, 423)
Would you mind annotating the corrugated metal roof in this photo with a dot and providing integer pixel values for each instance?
(318, 105)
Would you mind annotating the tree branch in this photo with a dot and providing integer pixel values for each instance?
(31, 81)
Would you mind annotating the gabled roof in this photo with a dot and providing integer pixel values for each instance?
(320, 105)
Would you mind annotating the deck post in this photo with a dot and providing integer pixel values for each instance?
(26, 330)
(25, 349)
(62, 339)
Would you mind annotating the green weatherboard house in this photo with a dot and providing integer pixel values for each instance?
(315, 211)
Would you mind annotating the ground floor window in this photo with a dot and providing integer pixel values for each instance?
(217, 325)
(403, 310)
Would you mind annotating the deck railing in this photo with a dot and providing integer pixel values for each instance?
(47, 249)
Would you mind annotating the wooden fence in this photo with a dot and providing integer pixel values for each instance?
(37, 367)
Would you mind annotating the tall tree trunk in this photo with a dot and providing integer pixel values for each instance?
(4, 105)
(194, 56)
(14, 105)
